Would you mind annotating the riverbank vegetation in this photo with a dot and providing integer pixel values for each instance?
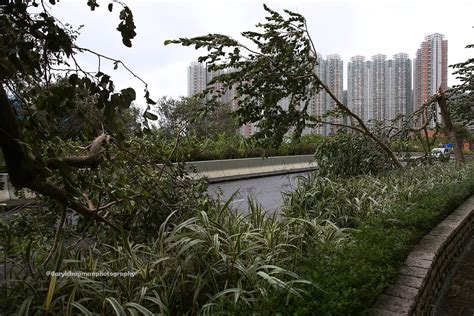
(333, 248)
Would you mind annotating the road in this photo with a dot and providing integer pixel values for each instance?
(266, 190)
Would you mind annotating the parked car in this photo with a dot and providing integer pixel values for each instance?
(440, 153)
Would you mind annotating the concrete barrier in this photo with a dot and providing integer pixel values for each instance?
(214, 170)
(233, 169)
(4, 193)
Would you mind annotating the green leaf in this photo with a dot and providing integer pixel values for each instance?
(140, 308)
(129, 94)
(73, 79)
(150, 101)
(119, 311)
(127, 26)
(83, 310)
(25, 307)
(150, 116)
(50, 294)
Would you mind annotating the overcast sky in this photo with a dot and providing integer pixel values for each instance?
(344, 27)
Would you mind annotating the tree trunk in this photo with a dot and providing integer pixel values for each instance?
(19, 164)
(452, 135)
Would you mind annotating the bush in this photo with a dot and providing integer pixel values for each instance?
(216, 260)
(350, 154)
(226, 146)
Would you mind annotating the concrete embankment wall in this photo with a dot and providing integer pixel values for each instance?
(232, 169)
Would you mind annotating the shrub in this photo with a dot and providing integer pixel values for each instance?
(226, 146)
(350, 154)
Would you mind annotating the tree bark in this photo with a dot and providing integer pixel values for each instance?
(19, 163)
(450, 130)
(92, 159)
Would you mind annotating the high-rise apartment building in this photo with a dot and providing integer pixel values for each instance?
(330, 71)
(318, 102)
(400, 82)
(430, 69)
(197, 78)
(379, 87)
(358, 86)
(334, 76)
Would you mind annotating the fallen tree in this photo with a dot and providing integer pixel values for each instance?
(275, 80)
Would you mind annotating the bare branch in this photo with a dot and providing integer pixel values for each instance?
(59, 194)
(363, 127)
(117, 61)
(178, 138)
(452, 135)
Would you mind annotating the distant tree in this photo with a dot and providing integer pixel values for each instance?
(460, 110)
(461, 101)
(191, 115)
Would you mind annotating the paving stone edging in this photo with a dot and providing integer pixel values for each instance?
(421, 278)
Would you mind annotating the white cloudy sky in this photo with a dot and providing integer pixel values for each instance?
(345, 27)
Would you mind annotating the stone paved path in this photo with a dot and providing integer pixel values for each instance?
(458, 295)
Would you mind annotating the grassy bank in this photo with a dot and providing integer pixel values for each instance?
(351, 274)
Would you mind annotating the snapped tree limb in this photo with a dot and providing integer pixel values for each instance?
(442, 102)
(27, 171)
(92, 159)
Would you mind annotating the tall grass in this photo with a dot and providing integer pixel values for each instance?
(346, 202)
(216, 261)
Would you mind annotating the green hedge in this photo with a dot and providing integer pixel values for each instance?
(236, 146)
(350, 277)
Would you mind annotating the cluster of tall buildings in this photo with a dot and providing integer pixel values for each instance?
(378, 89)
